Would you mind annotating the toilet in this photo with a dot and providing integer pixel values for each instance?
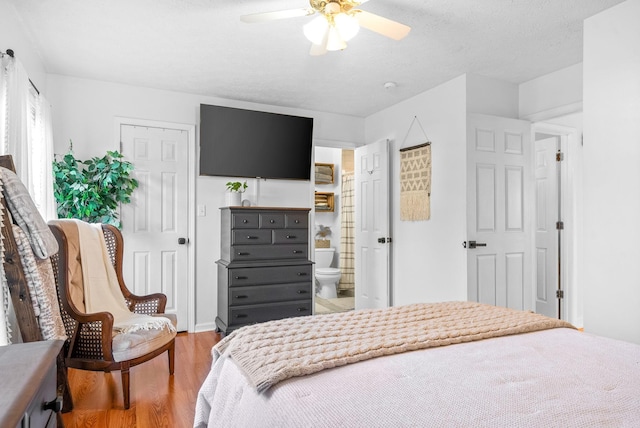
(326, 277)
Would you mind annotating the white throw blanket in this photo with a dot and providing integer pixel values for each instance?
(102, 291)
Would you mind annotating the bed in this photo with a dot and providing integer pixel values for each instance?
(438, 366)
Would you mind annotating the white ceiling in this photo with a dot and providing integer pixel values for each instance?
(201, 47)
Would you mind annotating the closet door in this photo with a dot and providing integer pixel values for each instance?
(155, 223)
(499, 211)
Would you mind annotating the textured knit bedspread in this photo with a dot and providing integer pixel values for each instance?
(271, 352)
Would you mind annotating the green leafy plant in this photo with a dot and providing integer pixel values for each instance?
(91, 190)
(236, 186)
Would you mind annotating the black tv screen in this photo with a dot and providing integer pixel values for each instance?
(246, 143)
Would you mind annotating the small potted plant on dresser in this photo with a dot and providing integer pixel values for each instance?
(235, 189)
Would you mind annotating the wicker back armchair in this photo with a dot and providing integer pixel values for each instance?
(92, 343)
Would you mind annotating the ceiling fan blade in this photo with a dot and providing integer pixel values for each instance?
(280, 14)
(381, 25)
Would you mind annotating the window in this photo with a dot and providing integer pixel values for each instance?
(25, 133)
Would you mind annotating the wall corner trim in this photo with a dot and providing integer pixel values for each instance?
(554, 112)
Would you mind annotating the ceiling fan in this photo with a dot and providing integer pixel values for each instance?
(337, 23)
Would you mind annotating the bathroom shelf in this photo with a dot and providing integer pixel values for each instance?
(324, 173)
(324, 202)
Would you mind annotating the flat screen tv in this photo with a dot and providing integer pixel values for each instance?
(246, 143)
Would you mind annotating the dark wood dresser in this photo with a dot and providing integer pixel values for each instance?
(264, 271)
(28, 384)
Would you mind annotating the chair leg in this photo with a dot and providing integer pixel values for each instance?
(171, 352)
(125, 384)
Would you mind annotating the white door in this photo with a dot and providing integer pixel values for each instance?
(546, 234)
(498, 211)
(155, 223)
(372, 226)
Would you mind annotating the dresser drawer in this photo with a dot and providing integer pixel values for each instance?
(290, 236)
(245, 220)
(269, 293)
(271, 220)
(267, 312)
(296, 221)
(269, 275)
(36, 415)
(271, 252)
(251, 236)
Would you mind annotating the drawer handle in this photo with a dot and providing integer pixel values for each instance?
(242, 296)
(241, 277)
(302, 291)
(244, 254)
(245, 221)
(302, 309)
(297, 221)
(272, 221)
(251, 237)
(302, 274)
(298, 251)
(291, 236)
(241, 315)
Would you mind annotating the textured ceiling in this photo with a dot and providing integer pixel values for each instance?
(201, 47)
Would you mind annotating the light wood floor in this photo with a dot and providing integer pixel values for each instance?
(157, 399)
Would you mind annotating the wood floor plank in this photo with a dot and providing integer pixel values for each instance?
(157, 399)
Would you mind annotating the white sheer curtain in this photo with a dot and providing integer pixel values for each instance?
(18, 130)
(26, 131)
(41, 169)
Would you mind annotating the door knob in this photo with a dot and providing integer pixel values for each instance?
(182, 241)
(473, 244)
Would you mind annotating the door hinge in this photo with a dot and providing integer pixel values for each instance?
(559, 225)
(559, 294)
(559, 157)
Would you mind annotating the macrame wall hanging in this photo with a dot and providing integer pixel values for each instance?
(415, 178)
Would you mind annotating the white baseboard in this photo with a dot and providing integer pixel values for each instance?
(208, 326)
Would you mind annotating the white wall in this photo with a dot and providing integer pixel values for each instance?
(612, 172)
(560, 90)
(84, 111)
(491, 96)
(429, 263)
(13, 36)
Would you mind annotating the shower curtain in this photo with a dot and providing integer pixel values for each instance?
(347, 234)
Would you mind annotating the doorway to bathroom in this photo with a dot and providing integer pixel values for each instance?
(334, 230)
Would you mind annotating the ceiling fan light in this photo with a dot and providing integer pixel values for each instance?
(346, 25)
(316, 29)
(334, 41)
